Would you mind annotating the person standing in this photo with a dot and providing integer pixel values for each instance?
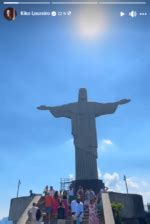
(48, 206)
(51, 191)
(77, 210)
(38, 216)
(46, 190)
(87, 198)
(70, 194)
(93, 219)
(55, 203)
(32, 214)
(65, 202)
(80, 193)
(92, 194)
(31, 193)
(61, 214)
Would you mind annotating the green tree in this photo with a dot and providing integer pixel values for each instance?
(117, 207)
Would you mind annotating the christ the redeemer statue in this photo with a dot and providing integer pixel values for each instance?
(82, 115)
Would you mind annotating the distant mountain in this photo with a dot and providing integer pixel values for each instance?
(5, 221)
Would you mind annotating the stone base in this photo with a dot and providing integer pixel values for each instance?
(94, 184)
(133, 207)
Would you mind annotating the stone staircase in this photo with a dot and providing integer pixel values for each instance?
(69, 218)
(105, 215)
(24, 217)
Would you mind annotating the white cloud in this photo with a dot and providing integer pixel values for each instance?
(132, 184)
(68, 145)
(144, 183)
(112, 181)
(146, 196)
(135, 185)
(71, 176)
(99, 174)
(105, 144)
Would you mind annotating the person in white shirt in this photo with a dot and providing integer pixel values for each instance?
(51, 191)
(32, 213)
(70, 194)
(70, 191)
(73, 207)
(77, 210)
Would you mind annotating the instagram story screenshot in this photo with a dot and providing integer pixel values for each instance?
(74, 112)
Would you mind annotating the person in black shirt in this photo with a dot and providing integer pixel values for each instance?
(38, 215)
(61, 214)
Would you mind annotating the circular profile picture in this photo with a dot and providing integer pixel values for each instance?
(10, 14)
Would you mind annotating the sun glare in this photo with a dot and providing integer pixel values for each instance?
(90, 23)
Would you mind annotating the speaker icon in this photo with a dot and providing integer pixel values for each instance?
(133, 14)
(122, 14)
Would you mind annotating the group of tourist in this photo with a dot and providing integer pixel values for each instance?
(64, 204)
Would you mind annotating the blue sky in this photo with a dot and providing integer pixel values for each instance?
(46, 60)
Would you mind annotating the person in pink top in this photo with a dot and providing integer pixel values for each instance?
(56, 203)
(65, 202)
(93, 219)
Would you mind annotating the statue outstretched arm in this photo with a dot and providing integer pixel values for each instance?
(124, 101)
(58, 111)
(43, 107)
(108, 108)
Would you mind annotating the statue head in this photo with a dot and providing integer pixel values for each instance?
(82, 95)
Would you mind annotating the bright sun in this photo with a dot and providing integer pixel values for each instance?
(90, 23)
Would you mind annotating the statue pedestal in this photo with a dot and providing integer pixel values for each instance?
(94, 184)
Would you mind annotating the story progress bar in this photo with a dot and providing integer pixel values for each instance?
(75, 3)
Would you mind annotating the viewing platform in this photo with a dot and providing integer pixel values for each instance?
(132, 212)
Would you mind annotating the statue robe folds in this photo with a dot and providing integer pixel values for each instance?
(82, 115)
